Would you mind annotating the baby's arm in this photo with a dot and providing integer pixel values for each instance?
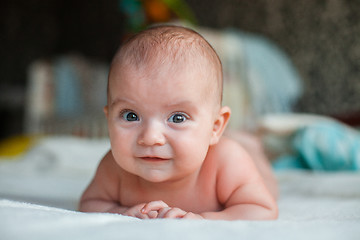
(101, 194)
(240, 187)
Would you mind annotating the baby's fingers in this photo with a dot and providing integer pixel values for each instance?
(171, 213)
(163, 212)
(136, 214)
(153, 206)
(191, 215)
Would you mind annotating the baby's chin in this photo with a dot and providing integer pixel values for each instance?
(155, 175)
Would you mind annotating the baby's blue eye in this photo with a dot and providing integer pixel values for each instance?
(130, 116)
(178, 118)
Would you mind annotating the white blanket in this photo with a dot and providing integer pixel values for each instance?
(39, 194)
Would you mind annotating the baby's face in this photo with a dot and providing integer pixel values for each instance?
(160, 122)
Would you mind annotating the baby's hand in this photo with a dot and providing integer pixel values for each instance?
(136, 211)
(164, 211)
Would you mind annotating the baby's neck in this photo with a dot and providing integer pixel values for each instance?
(174, 185)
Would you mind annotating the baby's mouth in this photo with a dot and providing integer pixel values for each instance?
(154, 159)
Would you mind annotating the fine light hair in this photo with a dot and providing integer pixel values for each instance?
(175, 48)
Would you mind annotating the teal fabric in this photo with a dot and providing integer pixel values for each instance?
(289, 162)
(324, 146)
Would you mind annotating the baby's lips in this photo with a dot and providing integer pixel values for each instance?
(152, 158)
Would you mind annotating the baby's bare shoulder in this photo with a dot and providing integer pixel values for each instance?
(104, 185)
(108, 161)
(228, 151)
(107, 173)
(235, 167)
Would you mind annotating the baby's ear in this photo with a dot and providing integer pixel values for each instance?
(220, 124)
(106, 111)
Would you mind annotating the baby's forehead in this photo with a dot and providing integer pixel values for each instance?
(166, 72)
(174, 49)
(172, 77)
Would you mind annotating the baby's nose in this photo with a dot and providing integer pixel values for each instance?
(151, 134)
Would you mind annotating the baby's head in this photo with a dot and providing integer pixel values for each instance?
(164, 103)
(172, 50)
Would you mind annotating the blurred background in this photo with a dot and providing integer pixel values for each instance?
(50, 50)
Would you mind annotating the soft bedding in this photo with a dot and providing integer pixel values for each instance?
(39, 193)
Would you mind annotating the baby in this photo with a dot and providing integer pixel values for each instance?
(168, 158)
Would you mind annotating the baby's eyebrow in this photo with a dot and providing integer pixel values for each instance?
(117, 101)
(181, 104)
